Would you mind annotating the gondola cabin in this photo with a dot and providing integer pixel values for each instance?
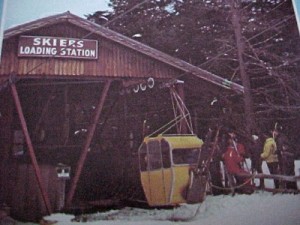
(165, 163)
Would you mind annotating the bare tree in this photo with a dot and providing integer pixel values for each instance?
(240, 43)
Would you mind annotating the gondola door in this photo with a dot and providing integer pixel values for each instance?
(156, 180)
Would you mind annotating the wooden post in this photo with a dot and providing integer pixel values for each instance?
(66, 124)
(44, 111)
(36, 168)
(196, 130)
(86, 146)
(248, 102)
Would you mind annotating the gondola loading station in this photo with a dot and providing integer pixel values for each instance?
(78, 94)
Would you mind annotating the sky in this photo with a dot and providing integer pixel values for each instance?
(22, 11)
(296, 4)
(2, 16)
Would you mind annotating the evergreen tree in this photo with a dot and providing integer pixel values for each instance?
(201, 32)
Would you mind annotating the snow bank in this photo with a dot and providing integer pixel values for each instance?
(259, 208)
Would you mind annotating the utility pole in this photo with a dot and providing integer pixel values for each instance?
(248, 103)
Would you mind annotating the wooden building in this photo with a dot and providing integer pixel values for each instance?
(78, 95)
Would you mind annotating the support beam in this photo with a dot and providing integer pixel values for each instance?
(66, 123)
(36, 168)
(90, 134)
(44, 111)
(183, 124)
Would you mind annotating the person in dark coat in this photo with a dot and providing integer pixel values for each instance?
(215, 171)
(256, 161)
(211, 152)
(286, 157)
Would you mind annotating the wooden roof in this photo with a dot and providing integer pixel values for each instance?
(181, 65)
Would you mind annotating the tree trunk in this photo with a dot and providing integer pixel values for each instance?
(248, 104)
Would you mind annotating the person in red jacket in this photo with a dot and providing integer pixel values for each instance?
(234, 163)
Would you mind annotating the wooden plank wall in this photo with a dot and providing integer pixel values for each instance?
(114, 60)
(24, 196)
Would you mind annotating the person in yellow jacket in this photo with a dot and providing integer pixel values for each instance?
(269, 154)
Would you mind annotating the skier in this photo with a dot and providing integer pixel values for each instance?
(234, 161)
(286, 158)
(269, 154)
(256, 161)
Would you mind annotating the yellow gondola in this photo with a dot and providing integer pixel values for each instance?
(165, 166)
(170, 164)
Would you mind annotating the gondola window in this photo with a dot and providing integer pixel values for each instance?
(165, 149)
(185, 156)
(154, 155)
(143, 157)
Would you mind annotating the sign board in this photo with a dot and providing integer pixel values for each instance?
(2, 19)
(39, 46)
(63, 172)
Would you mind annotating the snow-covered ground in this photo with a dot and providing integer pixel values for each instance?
(260, 208)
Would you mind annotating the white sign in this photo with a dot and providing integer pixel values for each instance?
(39, 46)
